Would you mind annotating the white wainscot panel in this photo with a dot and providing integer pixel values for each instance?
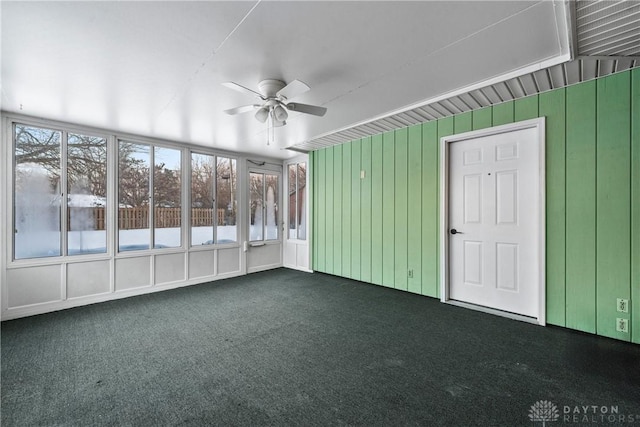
(302, 256)
(290, 250)
(228, 260)
(87, 278)
(33, 285)
(169, 268)
(296, 255)
(201, 264)
(264, 257)
(133, 272)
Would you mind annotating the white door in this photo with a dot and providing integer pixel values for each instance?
(494, 227)
(264, 247)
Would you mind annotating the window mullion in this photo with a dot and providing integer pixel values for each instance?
(112, 224)
(264, 207)
(151, 203)
(296, 196)
(185, 223)
(214, 181)
(64, 194)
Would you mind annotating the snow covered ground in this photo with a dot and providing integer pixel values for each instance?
(47, 243)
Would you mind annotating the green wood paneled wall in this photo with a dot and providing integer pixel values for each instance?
(580, 214)
(376, 202)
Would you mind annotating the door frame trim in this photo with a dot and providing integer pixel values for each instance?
(286, 241)
(539, 125)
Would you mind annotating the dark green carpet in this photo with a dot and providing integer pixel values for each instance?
(289, 348)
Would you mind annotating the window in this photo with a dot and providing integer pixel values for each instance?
(60, 195)
(167, 197)
(139, 188)
(263, 188)
(226, 230)
(133, 196)
(213, 199)
(37, 192)
(297, 200)
(202, 199)
(86, 194)
(42, 193)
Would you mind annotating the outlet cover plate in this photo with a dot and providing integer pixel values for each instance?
(622, 305)
(622, 325)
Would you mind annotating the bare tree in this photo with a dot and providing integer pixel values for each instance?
(133, 174)
(86, 157)
(167, 189)
(202, 191)
(87, 163)
(226, 187)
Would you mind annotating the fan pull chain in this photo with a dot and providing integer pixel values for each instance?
(270, 128)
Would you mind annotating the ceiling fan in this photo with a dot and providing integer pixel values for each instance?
(275, 95)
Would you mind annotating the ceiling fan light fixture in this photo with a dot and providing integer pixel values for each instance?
(280, 114)
(262, 114)
(274, 110)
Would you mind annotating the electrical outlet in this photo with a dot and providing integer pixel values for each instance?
(622, 305)
(622, 325)
(410, 274)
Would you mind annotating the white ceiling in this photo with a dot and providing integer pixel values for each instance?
(156, 68)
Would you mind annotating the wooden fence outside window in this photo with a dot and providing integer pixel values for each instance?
(137, 218)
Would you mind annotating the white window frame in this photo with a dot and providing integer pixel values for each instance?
(152, 229)
(9, 208)
(236, 193)
(278, 201)
(296, 161)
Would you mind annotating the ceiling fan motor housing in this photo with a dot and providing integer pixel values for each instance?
(270, 87)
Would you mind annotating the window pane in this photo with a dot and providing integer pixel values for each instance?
(301, 201)
(271, 184)
(202, 199)
(167, 196)
(133, 196)
(293, 204)
(256, 201)
(87, 194)
(226, 200)
(37, 192)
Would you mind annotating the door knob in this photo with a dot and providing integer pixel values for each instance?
(454, 231)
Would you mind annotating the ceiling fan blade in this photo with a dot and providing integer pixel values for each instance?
(293, 89)
(243, 109)
(240, 88)
(306, 108)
